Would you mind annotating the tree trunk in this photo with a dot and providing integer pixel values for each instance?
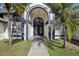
(27, 31)
(9, 28)
(65, 36)
(53, 31)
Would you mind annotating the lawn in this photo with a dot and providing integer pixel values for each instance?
(18, 48)
(55, 49)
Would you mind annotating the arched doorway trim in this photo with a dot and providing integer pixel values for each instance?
(42, 6)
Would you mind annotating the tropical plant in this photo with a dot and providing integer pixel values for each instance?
(18, 9)
(67, 15)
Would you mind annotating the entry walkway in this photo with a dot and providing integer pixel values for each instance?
(38, 49)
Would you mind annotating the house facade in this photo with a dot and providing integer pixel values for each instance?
(3, 22)
(41, 21)
(37, 21)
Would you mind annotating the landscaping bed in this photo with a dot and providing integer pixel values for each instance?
(18, 48)
(55, 48)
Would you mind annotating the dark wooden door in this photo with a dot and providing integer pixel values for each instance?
(38, 24)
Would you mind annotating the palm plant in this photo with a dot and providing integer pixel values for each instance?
(18, 9)
(67, 15)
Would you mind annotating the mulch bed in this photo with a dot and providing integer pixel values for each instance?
(75, 42)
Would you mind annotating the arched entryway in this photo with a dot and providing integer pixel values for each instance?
(38, 25)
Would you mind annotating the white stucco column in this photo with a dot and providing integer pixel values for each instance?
(51, 21)
(25, 32)
(24, 15)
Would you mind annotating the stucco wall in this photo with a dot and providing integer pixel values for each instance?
(3, 31)
(46, 31)
(1, 27)
(30, 32)
(76, 35)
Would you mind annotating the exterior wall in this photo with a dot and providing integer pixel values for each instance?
(30, 32)
(5, 17)
(46, 31)
(1, 27)
(5, 35)
(76, 35)
(4, 28)
(3, 31)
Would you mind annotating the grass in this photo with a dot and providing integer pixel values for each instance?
(18, 48)
(55, 49)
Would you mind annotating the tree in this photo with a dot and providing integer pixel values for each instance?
(18, 9)
(67, 15)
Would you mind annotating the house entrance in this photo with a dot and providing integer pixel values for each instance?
(38, 25)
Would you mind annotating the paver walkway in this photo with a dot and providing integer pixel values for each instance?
(38, 50)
